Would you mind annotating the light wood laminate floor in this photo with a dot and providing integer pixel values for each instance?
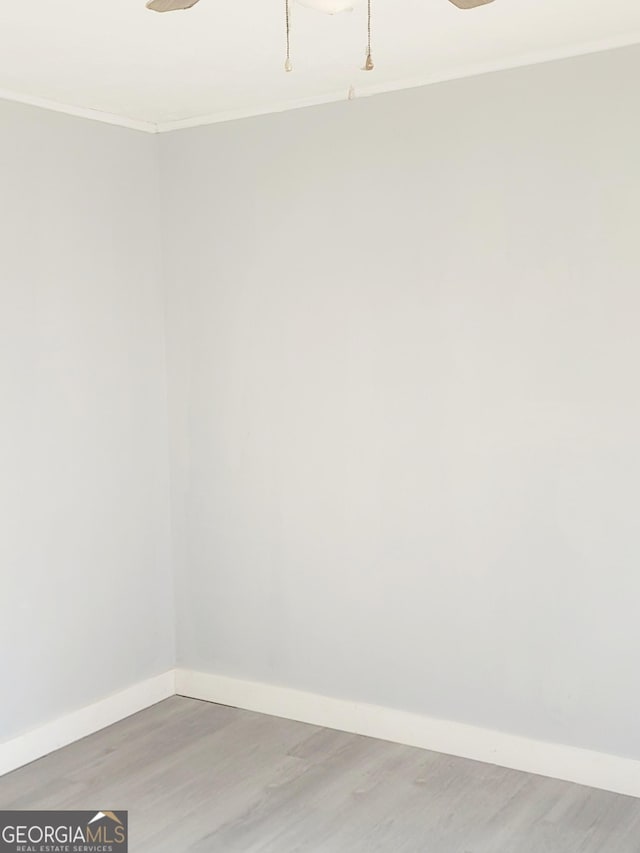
(200, 777)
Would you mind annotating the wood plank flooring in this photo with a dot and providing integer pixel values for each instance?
(202, 778)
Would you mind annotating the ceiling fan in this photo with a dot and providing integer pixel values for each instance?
(331, 7)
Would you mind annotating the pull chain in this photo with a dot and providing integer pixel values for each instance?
(287, 17)
(288, 65)
(368, 65)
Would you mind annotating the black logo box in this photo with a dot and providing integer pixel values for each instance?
(64, 832)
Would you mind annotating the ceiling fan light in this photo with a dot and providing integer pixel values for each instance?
(329, 7)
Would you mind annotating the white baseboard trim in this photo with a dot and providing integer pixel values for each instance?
(597, 770)
(78, 724)
(584, 767)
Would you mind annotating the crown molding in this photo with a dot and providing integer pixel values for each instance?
(473, 70)
(79, 112)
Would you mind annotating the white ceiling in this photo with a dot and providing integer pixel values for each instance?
(225, 59)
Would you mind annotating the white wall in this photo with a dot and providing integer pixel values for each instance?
(403, 361)
(86, 592)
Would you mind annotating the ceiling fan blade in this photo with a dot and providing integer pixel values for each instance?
(470, 4)
(170, 5)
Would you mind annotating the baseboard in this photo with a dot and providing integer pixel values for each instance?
(85, 721)
(584, 767)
